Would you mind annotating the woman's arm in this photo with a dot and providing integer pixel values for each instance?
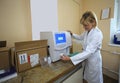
(91, 48)
(78, 37)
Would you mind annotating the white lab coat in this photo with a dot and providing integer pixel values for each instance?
(92, 43)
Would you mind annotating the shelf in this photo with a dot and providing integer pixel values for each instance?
(115, 45)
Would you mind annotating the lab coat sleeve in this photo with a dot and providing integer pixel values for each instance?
(78, 37)
(91, 48)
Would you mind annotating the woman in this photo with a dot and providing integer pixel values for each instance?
(92, 42)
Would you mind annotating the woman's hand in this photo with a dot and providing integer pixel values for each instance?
(65, 58)
(70, 32)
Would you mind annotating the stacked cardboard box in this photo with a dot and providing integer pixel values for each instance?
(4, 58)
(29, 53)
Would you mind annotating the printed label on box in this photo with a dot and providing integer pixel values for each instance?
(23, 58)
(34, 59)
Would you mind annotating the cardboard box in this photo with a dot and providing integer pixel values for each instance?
(12, 56)
(28, 54)
(4, 58)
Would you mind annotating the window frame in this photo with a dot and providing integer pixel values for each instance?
(115, 23)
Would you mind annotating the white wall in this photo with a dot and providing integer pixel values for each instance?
(44, 17)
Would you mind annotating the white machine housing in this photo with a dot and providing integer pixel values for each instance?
(59, 43)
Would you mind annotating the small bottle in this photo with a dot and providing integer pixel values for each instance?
(49, 60)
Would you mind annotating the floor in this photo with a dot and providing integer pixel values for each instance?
(107, 79)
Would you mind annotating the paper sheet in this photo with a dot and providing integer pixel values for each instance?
(34, 59)
(23, 58)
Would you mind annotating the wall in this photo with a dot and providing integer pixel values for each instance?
(15, 21)
(69, 15)
(110, 59)
(44, 17)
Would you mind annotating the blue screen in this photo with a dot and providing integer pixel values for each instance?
(60, 38)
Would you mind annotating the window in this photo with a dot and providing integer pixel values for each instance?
(115, 22)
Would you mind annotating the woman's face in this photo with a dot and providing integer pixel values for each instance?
(88, 26)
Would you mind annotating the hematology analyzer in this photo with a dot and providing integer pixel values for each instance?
(59, 42)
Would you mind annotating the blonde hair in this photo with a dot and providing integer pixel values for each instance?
(89, 17)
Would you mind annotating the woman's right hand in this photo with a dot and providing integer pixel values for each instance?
(65, 58)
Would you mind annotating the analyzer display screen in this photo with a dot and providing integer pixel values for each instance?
(60, 38)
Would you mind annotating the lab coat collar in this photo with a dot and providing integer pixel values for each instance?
(88, 33)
